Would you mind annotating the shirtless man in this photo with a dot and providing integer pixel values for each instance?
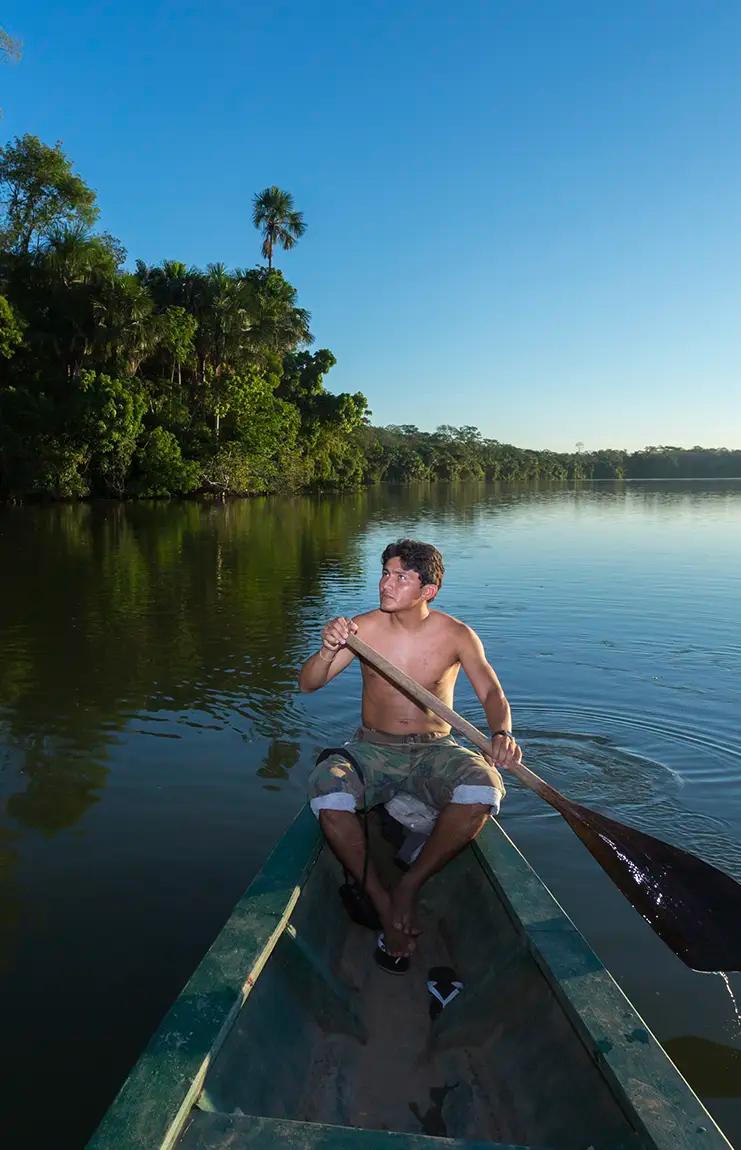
(402, 747)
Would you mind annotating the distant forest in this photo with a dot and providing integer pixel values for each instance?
(171, 380)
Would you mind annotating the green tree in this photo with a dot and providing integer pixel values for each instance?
(303, 377)
(161, 469)
(273, 211)
(170, 283)
(111, 412)
(229, 471)
(277, 324)
(39, 192)
(177, 331)
(334, 454)
(221, 338)
(126, 326)
(64, 291)
(50, 465)
(404, 465)
(11, 330)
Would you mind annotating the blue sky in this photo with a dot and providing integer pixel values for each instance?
(523, 216)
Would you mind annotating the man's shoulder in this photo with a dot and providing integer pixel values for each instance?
(367, 618)
(455, 631)
(450, 623)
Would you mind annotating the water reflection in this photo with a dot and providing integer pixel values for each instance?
(59, 786)
(124, 609)
(280, 759)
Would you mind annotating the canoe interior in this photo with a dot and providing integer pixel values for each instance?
(288, 1035)
(328, 1037)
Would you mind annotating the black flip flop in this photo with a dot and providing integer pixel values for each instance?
(391, 963)
(444, 985)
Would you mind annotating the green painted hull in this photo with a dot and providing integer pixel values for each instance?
(288, 1034)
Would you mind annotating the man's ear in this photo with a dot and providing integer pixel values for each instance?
(429, 591)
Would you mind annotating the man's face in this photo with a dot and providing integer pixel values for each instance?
(400, 589)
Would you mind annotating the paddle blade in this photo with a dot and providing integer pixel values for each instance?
(693, 907)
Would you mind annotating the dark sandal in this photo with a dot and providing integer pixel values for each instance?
(444, 985)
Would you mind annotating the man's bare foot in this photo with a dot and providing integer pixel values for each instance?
(403, 909)
(396, 941)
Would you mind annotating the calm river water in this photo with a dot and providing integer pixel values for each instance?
(153, 744)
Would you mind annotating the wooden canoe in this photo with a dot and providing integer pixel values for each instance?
(289, 1035)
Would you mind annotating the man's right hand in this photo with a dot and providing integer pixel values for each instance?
(335, 633)
(322, 666)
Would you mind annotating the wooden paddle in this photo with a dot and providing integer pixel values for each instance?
(693, 907)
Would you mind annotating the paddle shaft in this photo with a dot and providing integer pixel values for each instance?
(426, 699)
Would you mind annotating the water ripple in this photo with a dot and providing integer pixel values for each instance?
(611, 718)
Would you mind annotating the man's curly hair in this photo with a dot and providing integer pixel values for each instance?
(423, 558)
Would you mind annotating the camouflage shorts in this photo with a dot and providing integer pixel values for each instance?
(433, 768)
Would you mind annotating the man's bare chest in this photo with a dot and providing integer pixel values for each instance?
(433, 666)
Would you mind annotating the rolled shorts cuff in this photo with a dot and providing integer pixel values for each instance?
(339, 801)
(469, 793)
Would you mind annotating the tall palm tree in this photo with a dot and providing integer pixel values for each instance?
(273, 211)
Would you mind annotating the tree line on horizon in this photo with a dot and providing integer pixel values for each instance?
(171, 380)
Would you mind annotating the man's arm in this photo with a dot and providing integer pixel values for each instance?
(483, 679)
(331, 658)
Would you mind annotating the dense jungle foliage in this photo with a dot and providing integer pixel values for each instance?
(169, 380)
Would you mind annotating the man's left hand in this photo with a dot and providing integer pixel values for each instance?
(505, 751)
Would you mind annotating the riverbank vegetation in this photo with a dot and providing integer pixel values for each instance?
(169, 380)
